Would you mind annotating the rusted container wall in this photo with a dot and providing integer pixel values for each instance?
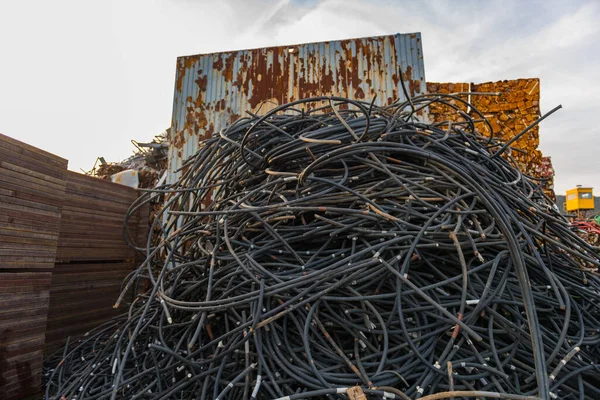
(92, 257)
(212, 90)
(32, 186)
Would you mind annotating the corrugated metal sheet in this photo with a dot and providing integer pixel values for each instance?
(212, 90)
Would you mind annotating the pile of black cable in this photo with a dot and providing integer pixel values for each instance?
(303, 253)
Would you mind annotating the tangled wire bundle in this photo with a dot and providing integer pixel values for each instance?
(305, 253)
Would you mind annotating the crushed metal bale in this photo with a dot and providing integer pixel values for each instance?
(303, 254)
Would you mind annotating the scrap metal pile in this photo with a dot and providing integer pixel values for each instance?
(313, 250)
(149, 161)
(588, 230)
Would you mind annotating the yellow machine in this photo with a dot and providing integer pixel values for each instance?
(579, 199)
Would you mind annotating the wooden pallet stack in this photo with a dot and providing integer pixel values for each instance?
(62, 258)
(92, 257)
(32, 186)
(23, 310)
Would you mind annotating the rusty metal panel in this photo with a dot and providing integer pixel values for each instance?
(212, 90)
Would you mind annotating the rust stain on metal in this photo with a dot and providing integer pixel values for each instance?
(407, 73)
(183, 64)
(218, 63)
(359, 94)
(413, 87)
(228, 73)
(220, 105)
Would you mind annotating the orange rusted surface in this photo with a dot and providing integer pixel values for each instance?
(516, 107)
(212, 90)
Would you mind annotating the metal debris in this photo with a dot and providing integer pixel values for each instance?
(149, 160)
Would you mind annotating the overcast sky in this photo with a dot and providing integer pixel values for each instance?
(82, 78)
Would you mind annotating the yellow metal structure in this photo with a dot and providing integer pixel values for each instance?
(579, 199)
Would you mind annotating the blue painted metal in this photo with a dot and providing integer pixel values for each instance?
(212, 90)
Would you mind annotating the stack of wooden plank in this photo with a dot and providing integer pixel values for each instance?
(23, 310)
(92, 220)
(32, 186)
(92, 258)
(62, 258)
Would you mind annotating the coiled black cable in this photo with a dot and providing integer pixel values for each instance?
(305, 252)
